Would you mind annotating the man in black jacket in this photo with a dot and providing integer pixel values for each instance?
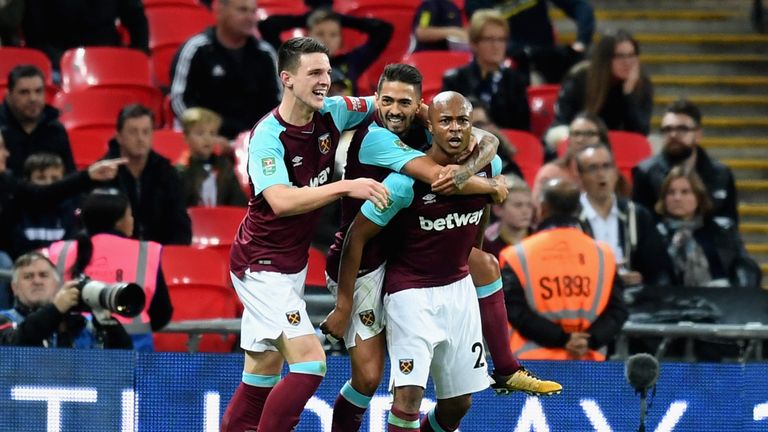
(43, 313)
(149, 180)
(29, 125)
(681, 129)
(227, 70)
(487, 78)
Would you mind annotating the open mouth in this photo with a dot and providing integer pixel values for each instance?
(395, 120)
(321, 92)
(454, 141)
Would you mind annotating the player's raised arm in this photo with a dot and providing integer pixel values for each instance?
(288, 201)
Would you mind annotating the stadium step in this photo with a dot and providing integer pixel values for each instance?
(673, 14)
(757, 248)
(750, 164)
(734, 142)
(714, 99)
(753, 228)
(752, 185)
(703, 58)
(751, 209)
(687, 38)
(710, 80)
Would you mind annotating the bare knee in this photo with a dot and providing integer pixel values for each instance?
(483, 267)
(408, 399)
(366, 379)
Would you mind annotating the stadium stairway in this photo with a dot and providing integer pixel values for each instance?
(707, 51)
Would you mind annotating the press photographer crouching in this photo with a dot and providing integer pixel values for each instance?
(47, 313)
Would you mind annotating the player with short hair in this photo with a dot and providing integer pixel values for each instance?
(290, 168)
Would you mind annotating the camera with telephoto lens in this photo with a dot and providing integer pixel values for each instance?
(123, 298)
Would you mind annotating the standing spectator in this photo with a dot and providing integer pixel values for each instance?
(705, 251)
(39, 223)
(28, 124)
(681, 130)
(563, 296)
(612, 85)
(227, 70)
(533, 35)
(628, 228)
(149, 180)
(437, 24)
(487, 78)
(207, 179)
(515, 216)
(56, 26)
(325, 25)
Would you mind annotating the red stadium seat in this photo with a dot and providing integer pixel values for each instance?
(10, 57)
(84, 68)
(89, 145)
(199, 285)
(169, 27)
(268, 8)
(530, 152)
(541, 100)
(215, 226)
(170, 144)
(629, 148)
(316, 268)
(148, 4)
(98, 108)
(432, 65)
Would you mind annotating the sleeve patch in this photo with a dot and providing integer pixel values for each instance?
(356, 104)
(268, 166)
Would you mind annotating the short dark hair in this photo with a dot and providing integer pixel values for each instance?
(562, 197)
(101, 210)
(23, 71)
(291, 50)
(133, 111)
(322, 15)
(41, 161)
(401, 72)
(685, 107)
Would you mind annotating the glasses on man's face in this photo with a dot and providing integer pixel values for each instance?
(681, 129)
(490, 39)
(595, 168)
(583, 134)
(624, 56)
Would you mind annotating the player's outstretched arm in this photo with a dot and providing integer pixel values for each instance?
(288, 201)
(359, 233)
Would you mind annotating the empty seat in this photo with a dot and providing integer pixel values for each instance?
(530, 152)
(541, 100)
(89, 145)
(84, 68)
(629, 149)
(215, 226)
(97, 108)
(432, 65)
(316, 268)
(170, 144)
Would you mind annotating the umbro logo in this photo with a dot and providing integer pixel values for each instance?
(429, 198)
(297, 160)
(218, 71)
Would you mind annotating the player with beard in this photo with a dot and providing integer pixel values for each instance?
(681, 129)
(376, 149)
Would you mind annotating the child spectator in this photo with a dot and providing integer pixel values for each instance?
(207, 179)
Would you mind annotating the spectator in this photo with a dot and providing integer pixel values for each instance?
(325, 25)
(705, 251)
(612, 85)
(569, 277)
(227, 70)
(6, 296)
(207, 179)
(515, 216)
(45, 314)
(28, 124)
(38, 224)
(533, 35)
(11, 14)
(149, 180)
(105, 253)
(681, 130)
(626, 227)
(506, 150)
(487, 78)
(56, 26)
(437, 24)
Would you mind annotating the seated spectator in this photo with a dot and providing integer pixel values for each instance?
(149, 180)
(105, 253)
(704, 250)
(45, 313)
(325, 25)
(532, 38)
(515, 216)
(569, 277)
(612, 85)
(207, 179)
(681, 131)
(38, 224)
(437, 24)
(56, 26)
(501, 88)
(227, 70)
(626, 227)
(506, 150)
(28, 124)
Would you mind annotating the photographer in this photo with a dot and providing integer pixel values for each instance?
(106, 253)
(43, 313)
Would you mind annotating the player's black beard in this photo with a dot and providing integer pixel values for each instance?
(679, 155)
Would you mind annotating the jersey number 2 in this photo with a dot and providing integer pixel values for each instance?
(478, 347)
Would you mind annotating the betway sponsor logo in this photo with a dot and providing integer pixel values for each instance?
(321, 178)
(453, 220)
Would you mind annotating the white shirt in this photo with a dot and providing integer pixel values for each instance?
(607, 229)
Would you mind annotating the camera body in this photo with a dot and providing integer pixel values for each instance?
(123, 298)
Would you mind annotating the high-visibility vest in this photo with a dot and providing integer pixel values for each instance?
(117, 259)
(567, 278)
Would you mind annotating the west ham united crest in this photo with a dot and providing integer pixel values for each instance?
(324, 143)
(294, 317)
(367, 317)
(406, 366)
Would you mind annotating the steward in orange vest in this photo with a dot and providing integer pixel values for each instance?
(564, 300)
